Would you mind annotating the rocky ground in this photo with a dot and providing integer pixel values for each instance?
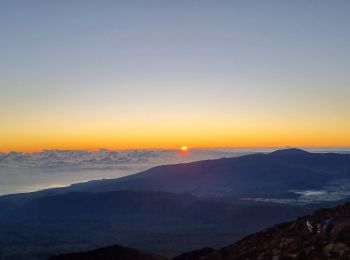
(293, 240)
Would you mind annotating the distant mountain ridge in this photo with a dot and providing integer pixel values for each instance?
(290, 152)
(249, 175)
(238, 176)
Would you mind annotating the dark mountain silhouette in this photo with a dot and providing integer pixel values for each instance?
(291, 240)
(197, 254)
(249, 175)
(263, 175)
(110, 253)
(294, 152)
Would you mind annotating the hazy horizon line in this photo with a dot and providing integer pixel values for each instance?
(176, 148)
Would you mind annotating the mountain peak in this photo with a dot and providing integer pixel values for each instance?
(290, 152)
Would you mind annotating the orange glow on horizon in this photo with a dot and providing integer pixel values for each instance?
(226, 141)
(137, 134)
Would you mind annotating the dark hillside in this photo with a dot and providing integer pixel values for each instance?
(293, 240)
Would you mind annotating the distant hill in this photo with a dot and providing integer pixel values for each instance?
(196, 254)
(256, 174)
(264, 175)
(110, 253)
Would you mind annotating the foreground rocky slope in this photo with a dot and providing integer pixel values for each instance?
(285, 241)
(293, 240)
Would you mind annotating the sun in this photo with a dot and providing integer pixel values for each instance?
(184, 148)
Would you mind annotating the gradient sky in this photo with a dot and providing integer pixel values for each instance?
(162, 74)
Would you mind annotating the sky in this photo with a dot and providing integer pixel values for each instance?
(162, 74)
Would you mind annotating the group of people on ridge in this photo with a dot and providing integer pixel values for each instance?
(326, 226)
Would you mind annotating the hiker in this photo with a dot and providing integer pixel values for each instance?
(328, 225)
(310, 226)
(318, 228)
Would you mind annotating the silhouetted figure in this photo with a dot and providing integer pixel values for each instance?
(310, 226)
(328, 225)
(313, 228)
(318, 228)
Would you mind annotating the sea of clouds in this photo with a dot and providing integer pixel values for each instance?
(23, 172)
